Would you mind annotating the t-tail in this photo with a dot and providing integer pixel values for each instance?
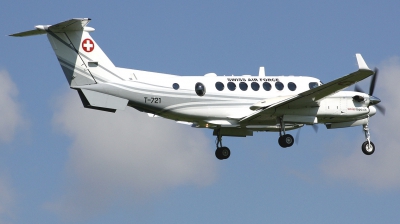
(81, 59)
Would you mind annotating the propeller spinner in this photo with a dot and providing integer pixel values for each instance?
(372, 99)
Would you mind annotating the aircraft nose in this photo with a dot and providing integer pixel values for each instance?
(374, 100)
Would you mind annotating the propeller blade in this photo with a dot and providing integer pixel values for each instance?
(380, 108)
(358, 89)
(297, 137)
(373, 81)
(315, 127)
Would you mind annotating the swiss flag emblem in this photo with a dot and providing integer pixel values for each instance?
(88, 45)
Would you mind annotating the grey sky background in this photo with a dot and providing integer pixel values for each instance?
(61, 163)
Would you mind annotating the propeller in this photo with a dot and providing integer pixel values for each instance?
(380, 108)
(314, 126)
(373, 81)
(297, 136)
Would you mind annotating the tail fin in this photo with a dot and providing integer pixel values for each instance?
(81, 59)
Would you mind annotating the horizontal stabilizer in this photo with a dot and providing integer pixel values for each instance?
(69, 25)
(29, 33)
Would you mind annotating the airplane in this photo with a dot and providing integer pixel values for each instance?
(230, 105)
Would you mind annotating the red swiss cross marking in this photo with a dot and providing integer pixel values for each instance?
(88, 45)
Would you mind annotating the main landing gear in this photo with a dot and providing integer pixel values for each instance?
(367, 147)
(285, 140)
(221, 152)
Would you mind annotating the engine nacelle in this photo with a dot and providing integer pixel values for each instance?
(347, 124)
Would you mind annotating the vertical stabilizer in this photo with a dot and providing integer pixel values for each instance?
(81, 59)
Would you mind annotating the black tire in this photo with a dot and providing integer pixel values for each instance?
(368, 150)
(218, 154)
(286, 140)
(281, 142)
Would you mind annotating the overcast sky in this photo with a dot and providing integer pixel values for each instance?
(61, 163)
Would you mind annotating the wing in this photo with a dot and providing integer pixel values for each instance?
(313, 96)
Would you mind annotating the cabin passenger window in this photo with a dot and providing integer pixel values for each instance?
(175, 86)
(231, 86)
(255, 86)
(292, 86)
(219, 86)
(200, 89)
(267, 86)
(279, 86)
(243, 86)
(313, 85)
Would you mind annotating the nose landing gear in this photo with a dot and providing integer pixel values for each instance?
(368, 147)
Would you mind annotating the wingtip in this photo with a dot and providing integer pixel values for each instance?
(361, 62)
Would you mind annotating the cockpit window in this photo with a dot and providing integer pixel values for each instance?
(313, 85)
(200, 89)
(231, 86)
(292, 86)
(255, 86)
(243, 86)
(267, 86)
(279, 86)
(219, 86)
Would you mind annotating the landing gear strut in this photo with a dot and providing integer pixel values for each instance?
(221, 152)
(285, 140)
(367, 147)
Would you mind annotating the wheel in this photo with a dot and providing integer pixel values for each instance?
(289, 140)
(225, 152)
(286, 140)
(368, 149)
(222, 153)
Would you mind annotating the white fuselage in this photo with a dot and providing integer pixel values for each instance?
(155, 93)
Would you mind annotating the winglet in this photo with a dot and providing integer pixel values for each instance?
(361, 62)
